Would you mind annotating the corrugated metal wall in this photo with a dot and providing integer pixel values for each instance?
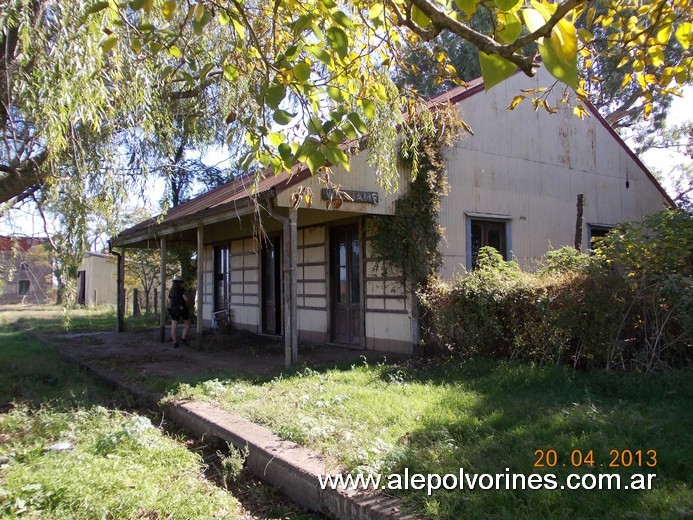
(531, 166)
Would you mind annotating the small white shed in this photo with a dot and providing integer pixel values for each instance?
(96, 280)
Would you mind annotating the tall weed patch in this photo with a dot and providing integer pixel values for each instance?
(630, 305)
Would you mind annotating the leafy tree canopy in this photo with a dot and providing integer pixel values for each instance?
(86, 86)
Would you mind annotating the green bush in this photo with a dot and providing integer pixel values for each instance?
(629, 306)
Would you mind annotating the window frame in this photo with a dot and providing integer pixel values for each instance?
(602, 229)
(488, 218)
(23, 283)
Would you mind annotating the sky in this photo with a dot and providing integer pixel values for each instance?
(24, 222)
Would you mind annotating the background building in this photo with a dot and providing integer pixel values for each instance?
(26, 270)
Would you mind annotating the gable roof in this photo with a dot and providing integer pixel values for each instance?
(236, 195)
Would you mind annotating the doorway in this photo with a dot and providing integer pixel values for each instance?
(271, 285)
(345, 283)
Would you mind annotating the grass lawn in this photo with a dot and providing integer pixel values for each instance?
(484, 417)
(118, 464)
(55, 318)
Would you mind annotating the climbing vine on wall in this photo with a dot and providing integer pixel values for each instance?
(407, 242)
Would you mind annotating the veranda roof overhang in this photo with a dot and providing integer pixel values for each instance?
(182, 231)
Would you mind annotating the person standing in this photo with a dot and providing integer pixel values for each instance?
(178, 310)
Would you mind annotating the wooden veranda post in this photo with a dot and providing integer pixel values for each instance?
(200, 282)
(286, 293)
(293, 275)
(162, 288)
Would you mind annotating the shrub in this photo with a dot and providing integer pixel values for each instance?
(629, 306)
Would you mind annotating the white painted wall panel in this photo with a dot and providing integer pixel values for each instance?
(394, 327)
(312, 320)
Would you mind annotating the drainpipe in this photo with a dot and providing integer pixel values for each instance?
(162, 288)
(290, 281)
(120, 286)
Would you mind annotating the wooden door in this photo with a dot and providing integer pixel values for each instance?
(271, 285)
(345, 283)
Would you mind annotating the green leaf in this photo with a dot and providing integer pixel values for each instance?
(343, 20)
(276, 138)
(108, 43)
(282, 117)
(293, 51)
(136, 5)
(302, 71)
(336, 156)
(275, 95)
(338, 40)
(565, 71)
(284, 152)
(146, 27)
(168, 9)
(230, 72)
(495, 69)
(315, 126)
(337, 136)
(468, 7)
(509, 27)
(317, 32)
(175, 51)
(304, 21)
(315, 160)
(368, 108)
(419, 18)
(358, 123)
(506, 5)
(199, 25)
(199, 11)
(335, 94)
(96, 7)
(349, 130)
(224, 17)
(320, 53)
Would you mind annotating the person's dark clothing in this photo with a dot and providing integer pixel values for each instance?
(177, 308)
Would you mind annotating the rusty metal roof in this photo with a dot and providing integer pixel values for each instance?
(219, 200)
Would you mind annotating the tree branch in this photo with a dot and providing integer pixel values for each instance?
(20, 181)
(484, 43)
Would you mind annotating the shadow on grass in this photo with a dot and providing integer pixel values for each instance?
(518, 409)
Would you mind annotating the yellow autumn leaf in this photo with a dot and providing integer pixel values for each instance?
(580, 111)
(656, 56)
(564, 40)
(684, 34)
(664, 34)
(516, 101)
